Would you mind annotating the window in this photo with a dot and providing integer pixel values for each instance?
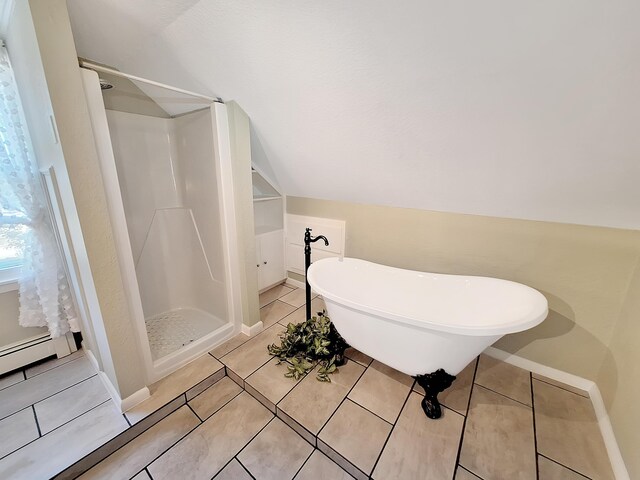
(12, 236)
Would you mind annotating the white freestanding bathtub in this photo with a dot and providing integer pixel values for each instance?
(419, 322)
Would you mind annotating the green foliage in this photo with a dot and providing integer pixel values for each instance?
(311, 343)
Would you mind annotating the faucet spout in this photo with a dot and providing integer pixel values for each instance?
(320, 237)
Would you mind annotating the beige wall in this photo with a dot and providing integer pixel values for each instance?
(76, 163)
(619, 378)
(10, 330)
(243, 194)
(583, 271)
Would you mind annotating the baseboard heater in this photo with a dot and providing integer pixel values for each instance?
(21, 353)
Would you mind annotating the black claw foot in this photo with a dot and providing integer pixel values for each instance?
(339, 345)
(433, 384)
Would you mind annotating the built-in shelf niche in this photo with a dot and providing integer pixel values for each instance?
(268, 207)
(268, 211)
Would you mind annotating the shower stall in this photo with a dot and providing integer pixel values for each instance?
(166, 167)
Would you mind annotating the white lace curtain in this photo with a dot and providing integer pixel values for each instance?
(45, 299)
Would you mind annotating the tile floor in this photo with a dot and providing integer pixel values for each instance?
(57, 418)
(59, 407)
(499, 422)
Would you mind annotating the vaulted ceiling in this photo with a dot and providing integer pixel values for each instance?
(525, 109)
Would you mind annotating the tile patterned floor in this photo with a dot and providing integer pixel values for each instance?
(57, 418)
(499, 422)
(58, 407)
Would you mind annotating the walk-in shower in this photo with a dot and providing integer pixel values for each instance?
(165, 159)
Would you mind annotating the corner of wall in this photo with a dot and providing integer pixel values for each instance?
(243, 190)
(79, 162)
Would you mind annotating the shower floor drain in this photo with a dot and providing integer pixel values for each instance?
(172, 330)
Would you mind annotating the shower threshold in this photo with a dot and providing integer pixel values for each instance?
(170, 331)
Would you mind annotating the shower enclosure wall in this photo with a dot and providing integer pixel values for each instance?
(168, 180)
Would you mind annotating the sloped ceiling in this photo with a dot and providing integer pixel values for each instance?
(526, 109)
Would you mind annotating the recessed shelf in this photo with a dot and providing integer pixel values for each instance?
(262, 198)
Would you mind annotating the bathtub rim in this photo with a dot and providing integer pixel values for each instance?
(526, 323)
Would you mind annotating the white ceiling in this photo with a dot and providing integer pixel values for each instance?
(514, 108)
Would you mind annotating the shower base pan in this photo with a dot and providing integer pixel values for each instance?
(172, 330)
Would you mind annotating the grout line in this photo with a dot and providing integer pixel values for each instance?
(126, 420)
(15, 450)
(194, 412)
(54, 367)
(183, 394)
(162, 452)
(287, 315)
(366, 365)
(35, 417)
(338, 454)
(297, 423)
(265, 329)
(224, 405)
(466, 470)
(317, 436)
(204, 380)
(130, 440)
(464, 422)
(277, 298)
(341, 402)
(49, 396)
(148, 472)
(225, 466)
(390, 432)
(234, 348)
(503, 395)
(24, 374)
(177, 441)
(413, 390)
(306, 460)
(245, 468)
(294, 387)
(143, 431)
(59, 426)
(372, 413)
(251, 439)
(586, 395)
(296, 309)
(563, 465)
(533, 420)
(6, 374)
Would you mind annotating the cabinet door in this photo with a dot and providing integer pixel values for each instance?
(271, 258)
(261, 284)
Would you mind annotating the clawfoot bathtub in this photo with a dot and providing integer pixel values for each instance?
(427, 325)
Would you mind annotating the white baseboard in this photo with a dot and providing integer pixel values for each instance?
(122, 404)
(535, 367)
(134, 399)
(17, 355)
(91, 357)
(609, 437)
(252, 330)
(589, 386)
(294, 283)
(297, 284)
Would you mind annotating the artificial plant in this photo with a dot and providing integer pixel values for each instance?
(311, 343)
